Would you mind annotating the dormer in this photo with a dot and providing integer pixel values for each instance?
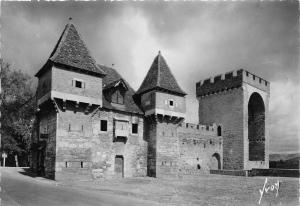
(71, 73)
(160, 93)
(115, 92)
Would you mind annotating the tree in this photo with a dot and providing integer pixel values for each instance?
(17, 111)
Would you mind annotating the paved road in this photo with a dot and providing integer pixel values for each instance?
(18, 189)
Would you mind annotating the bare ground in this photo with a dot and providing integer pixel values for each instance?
(202, 190)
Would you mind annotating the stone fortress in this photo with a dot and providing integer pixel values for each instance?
(92, 124)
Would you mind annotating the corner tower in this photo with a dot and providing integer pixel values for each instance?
(238, 102)
(69, 89)
(163, 103)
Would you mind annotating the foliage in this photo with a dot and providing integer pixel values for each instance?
(17, 110)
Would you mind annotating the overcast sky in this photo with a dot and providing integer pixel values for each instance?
(198, 40)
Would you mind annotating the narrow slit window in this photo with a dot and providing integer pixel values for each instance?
(81, 164)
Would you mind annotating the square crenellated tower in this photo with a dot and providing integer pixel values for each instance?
(163, 103)
(238, 102)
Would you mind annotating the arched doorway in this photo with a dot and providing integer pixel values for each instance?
(215, 162)
(256, 128)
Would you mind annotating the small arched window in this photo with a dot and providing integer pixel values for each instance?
(219, 131)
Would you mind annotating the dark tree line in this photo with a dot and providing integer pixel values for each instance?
(17, 114)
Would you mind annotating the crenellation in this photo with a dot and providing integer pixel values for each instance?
(230, 80)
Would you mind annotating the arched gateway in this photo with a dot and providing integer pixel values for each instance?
(256, 128)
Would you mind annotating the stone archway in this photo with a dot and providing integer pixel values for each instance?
(256, 128)
(215, 163)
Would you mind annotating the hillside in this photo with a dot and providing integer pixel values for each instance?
(277, 157)
(286, 161)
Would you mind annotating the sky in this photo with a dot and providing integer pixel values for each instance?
(198, 40)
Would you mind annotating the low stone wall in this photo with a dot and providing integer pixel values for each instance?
(275, 172)
(230, 172)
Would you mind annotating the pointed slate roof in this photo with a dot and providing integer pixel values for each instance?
(71, 51)
(160, 77)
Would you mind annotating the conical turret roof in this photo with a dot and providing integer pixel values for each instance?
(160, 77)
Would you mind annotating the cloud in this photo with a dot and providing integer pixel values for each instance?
(284, 116)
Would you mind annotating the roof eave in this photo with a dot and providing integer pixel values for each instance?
(181, 93)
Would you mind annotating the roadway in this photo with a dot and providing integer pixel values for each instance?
(18, 189)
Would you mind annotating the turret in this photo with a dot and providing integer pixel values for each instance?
(163, 102)
(69, 89)
(160, 94)
(70, 74)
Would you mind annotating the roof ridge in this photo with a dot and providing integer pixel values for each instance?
(58, 44)
(158, 69)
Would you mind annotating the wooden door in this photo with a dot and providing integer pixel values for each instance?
(119, 166)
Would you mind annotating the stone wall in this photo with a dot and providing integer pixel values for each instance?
(167, 149)
(48, 118)
(159, 103)
(44, 84)
(73, 147)
(63, 81)
(162, 102)
(105, 146)
(226, 109)
(150, 137)
(200, 149)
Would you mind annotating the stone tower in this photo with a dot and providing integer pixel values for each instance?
(69, 88)
(163, 102)
(238, 103)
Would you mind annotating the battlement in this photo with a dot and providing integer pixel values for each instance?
(230, 80)
(199, 127)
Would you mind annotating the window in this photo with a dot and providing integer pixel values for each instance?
(198, 166)
(134, 128)
(171, 102)
(66, 164)
(103, 125)
(81, 164)
(117, 97)
(78, 84)
(219, 131)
